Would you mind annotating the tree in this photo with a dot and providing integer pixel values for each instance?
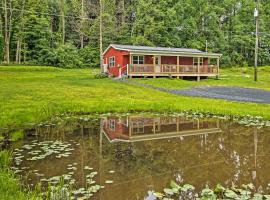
(32, 29)
(63, 20)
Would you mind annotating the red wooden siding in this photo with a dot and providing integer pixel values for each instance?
(121, 59)
(120, 131)
(171, 60)
(186, 61)
(148, 59)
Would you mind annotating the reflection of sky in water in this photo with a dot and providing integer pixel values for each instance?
(146, 153)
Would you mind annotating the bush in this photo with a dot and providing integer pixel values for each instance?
(65, 56)
(90, 56)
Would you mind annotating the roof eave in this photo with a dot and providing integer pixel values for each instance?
(215, 55)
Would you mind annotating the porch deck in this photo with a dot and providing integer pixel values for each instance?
(173, 70)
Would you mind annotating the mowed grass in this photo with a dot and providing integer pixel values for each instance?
(241, 77)
(34, 93)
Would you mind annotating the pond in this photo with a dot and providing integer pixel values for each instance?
(124, 157)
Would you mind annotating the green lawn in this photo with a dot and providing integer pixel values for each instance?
(33, 93)
(229, 77)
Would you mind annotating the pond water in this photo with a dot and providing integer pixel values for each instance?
(131, 155)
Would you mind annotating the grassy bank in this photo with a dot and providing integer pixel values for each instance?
(32, 93)
(10, 188)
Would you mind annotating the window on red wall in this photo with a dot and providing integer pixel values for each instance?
(138, 59)
(197, 61)
(112, 61)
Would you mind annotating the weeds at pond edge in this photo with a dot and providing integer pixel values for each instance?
(187, 192)
(247, 120)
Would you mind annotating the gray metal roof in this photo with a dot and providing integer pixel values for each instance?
(163, 51)
(156, 49)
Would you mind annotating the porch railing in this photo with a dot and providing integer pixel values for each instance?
(172, 69)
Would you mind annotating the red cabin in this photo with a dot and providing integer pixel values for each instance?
(142, 61)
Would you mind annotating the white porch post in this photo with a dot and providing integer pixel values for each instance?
(198, 69)
(154, 63)
(217, 68)
(130, 66)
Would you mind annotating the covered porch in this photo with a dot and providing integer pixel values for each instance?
(179, 66)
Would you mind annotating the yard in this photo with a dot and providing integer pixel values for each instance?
(241, 77)
(34, 93)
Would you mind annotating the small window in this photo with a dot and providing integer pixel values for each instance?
(112, 62)
(195, 61)
(112, 124)
(138, 60)
(137, 127)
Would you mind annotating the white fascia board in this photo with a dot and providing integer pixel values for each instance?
(203, 54)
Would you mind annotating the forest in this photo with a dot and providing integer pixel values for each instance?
(70, 33)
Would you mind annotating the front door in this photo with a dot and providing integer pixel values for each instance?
(157, 64)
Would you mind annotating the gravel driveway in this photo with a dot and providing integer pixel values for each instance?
(228, 93)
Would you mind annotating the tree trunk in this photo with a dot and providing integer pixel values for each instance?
(62, 9)
(19, 40)
(100, 36)
(18, 51)
(6, 34)
(24, 52)
(82, 22)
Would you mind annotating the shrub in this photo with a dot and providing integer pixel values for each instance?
(89, 56)
(65, 56)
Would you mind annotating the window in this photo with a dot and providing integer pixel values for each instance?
(112, 62)
(196, 60)
(138, 60)
(112, 124)
(137, 127)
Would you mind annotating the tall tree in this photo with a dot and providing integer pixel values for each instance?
(7, 29)
(63, 20)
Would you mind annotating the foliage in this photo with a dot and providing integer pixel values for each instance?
(89, 56)
(65, 56)
(10, 187)
(186, 191)
(5, 159)
(17, 135)
(101, 75)
(226, 26)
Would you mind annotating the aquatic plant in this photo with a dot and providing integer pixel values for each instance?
(17, 135)
(188, 192)
(5, 159)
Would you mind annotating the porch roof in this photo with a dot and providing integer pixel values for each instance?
(163, 51)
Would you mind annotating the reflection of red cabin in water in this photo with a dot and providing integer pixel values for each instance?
(147, 128)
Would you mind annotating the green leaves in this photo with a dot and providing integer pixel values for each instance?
(220, 192)
(208, 194)
(231, 194)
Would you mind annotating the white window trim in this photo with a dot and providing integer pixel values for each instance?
(195, 60)
(138, 59)
(110, 61)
